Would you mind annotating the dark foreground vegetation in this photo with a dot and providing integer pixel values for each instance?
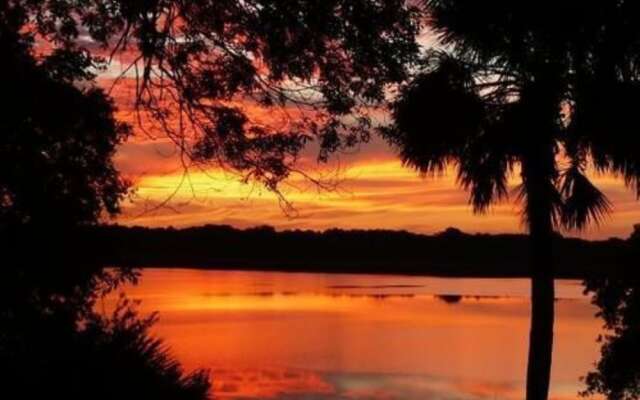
(450, 253)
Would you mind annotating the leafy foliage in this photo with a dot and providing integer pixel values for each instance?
(539, 89)
(309, 64)
(57, 136)
(54, 342)
(617, 373)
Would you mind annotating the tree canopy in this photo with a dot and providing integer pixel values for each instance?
(57, 135)
(617, 372)
(322, 64)
(550, 84)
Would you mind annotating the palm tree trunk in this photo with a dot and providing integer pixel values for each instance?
(539, 212)
(542, 317)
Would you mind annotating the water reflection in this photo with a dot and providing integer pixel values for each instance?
(317, 336)
(304, 336)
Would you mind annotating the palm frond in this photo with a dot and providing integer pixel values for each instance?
(434, 117)
(503, 30)
(583, 203)
(483, 171)
(554, 197)
(606, 125)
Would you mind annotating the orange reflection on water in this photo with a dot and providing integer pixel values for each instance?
(267, 383)
(289, 336)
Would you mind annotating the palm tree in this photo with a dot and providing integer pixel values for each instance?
(530, 89)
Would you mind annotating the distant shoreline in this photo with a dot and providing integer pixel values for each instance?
(451, 253)
(303, 270)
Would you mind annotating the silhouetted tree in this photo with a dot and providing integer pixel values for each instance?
(542, 90)
(57, 135)
(194, 63)
(617, 373)
(55, 343)
(451, 253)
(57, 138)
(635, 236)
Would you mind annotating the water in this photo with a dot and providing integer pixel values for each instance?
(322, 336)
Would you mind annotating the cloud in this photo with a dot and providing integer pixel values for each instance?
(374, 190)
(370, 194)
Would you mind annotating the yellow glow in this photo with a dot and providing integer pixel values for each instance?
(374, 192)
(371, 194)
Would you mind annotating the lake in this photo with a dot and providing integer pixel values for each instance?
(270, 335)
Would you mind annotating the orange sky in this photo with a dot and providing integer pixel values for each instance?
(374, 191)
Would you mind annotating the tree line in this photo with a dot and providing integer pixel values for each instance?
(448, 253)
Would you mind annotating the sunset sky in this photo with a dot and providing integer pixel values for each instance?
(372, 190)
